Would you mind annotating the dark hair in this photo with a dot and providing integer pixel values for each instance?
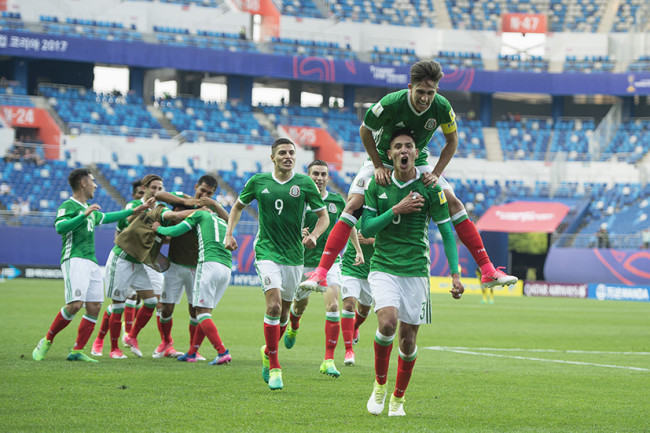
(146, 181)
(75, 176)
(279, 142)
(402, 131)
(426, 70)
(209, 180)
(135, 185)
(317, 162)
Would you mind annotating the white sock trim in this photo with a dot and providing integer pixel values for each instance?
(459, 215)
(385, 338)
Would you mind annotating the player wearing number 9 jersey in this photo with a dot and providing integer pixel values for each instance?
(283, 197)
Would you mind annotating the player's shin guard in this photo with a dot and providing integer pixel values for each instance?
(405, 365)
(347, 328)
(166, 324)
(61, 320)
(143, 316)
(383, 347)
(103, 328)
(197, 340)
(210, 331)
(115, 325)
(129, 314)
(332, 329)
(358, 319)
(283, 327)
(272, 337)
(86, 328)
(336, 241)
(194, 324)
(295, 319)
(470, 237)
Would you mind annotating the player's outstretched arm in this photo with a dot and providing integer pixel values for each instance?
(321, 225)
(172, 199)
(235, 214)
(178, 216)
(172, 231)
(64, 226)
(215, 206)
(447, 152)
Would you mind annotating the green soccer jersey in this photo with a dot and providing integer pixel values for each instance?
(335, 205)
(395, 111)
(282, 207)
(211, 233)
(348, 268)
(402, 247)
(79, 242)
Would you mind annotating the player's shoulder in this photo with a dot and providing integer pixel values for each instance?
(334, 197)
(398, 97)
(440, 100)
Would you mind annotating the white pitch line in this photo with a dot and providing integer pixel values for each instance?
(503, 349)
(559, 361)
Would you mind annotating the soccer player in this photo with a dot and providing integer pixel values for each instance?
(283, 197)
(319, 173)
(355, 292)
(398, 216)
(421, 109)
(212, 270)
(75, 222)
(123, 270)
(183, 258)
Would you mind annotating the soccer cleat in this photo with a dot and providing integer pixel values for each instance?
(314, 282)
(376, 401)
(78, 355)
(41, 349)
(290, 337)
(133, 343)
(222, 358)
(187, 357)
(349, 358)
(173, 353)
(117, 354)
(266, 364)
(328, 368)
(497, 278)
(491, 301)
(161, 350)
(98, 346)
(396, 406)
(124, 335)
(355, 337)
(483, 301)
(199, 357)
(275, 379)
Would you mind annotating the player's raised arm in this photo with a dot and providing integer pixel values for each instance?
(382, 174)
(233, 219)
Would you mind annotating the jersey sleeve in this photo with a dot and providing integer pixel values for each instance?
(247, 195)
(438, 207)
(377, 116)
(370, 200)
(66, 220)
(447, 119)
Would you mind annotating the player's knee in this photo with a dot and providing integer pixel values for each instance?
(73, 307)
(93, 308)
(387, 327)
(273, 309)
(151, 302)
(348, 304)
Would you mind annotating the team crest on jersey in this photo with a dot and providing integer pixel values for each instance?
(332, 208)
(431, 124)
(294, 191)
(267, 281)
(77, 292)
(361, 183)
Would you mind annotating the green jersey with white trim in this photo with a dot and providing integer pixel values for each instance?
(79, 242)
(348, 268)
(282, 207)
(211, 233)
(402, 247)
(395, 111)
(335, 205)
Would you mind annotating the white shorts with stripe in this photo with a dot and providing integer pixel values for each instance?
(83, 280)
(353, 287)
(276, 276)
(360, 182)
(121, 274)
(178, 278)
(333, 279)
(212, 280)
(410, 295)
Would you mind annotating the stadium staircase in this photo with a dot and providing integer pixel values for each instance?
(164, 122)
(106, 185)
(443, 20)
(609, 16)
(266, 123)
(492, 144)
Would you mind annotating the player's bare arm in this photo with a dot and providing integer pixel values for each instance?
(447, 152)
(382, 174)
(321, 225)
(235, 214)
(214, 206)
(144, 206)
(457, 287)
(92, 208)
(358, 253)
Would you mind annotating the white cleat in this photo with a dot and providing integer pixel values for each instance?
(376, 401)
(396, 406)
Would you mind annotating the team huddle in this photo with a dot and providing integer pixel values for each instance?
(303, 228)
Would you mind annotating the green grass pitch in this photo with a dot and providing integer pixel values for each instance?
(520, 365)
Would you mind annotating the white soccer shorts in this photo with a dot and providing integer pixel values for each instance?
(333, 279)
(83, 280)
(410, 295)
(178, 278)
(276, 276)
(353, 287)
(212, 280)
(121, 274)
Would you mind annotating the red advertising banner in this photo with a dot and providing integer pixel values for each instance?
(318, 139)
(38, 118)
(523, 217)
(523, 23)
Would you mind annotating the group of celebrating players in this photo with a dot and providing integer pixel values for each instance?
(302, 227)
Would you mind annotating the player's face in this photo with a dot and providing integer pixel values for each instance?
(139, 193)
(403, 153)
(284, 157)
(152, 189)
(203, 190)
(422, 94)
(320, 175)
(89, 186)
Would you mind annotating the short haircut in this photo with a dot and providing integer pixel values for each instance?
(279, 142)
(75, 176)
(426, 70)
(209, 180)
(135, 185)
(146, 181)
(402, 131)
(317, 162)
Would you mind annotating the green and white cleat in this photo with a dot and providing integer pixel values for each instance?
(41, 349)
(265, 365)
(275, 379)
(78, 355)
(328, 368)
(290, 337)
(396, 406)
(376, 401)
